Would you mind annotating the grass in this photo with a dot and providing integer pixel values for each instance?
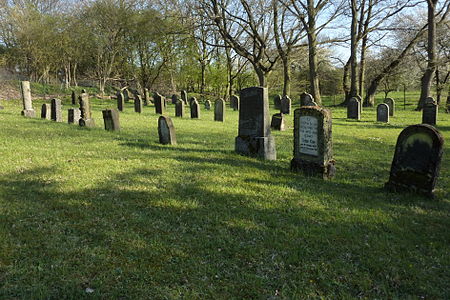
(86, 213)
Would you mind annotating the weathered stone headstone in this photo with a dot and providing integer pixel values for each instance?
(56, 110)
(126, 95)
(286, 105)
(195, 109)
(120, 101)
(146, 97)
(430, 112)
(354, 109)
(159, 104)
(28, 110)
(166, 131)
(86, 119)
(46, 111)
(73, 116)
(184, 96)
(254, 138)
(307, 100)
(277, 101)
(191, 100)
(277, 122)
(111, 119)
(234, 102)
(313, 145)
(219, 110)
(174, 99)
(391, 103)
(383, 113)
(179, 109)
(138, 103)
(207, 105)
(74, 98)
(417, 160)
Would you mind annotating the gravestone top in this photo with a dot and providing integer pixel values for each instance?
(306, 99)
(208, 105)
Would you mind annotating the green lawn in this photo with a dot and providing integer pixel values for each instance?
(86, 213)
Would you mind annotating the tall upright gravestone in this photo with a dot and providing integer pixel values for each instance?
(179, 109)
(159, 103)
(354, 109)
(74, 98)
(174, 99)
(86, 119)
(417, 160)
(277, 101)
(430, 112)
(195, 109)
(184, 96)
(234, 102)
(219, 110)
(73, 116)
(313, 145)
(383, 113)
(286, 105)
(120, 101)
(138, 103)
(56, 110)
(254, 138)
(46, 111)
(28, 110)
(391, 103)
(111, 119)
(166, 131)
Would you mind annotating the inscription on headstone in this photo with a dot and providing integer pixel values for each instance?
(308, 135)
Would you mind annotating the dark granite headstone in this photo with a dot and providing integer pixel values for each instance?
(159, 103)
(179, 109)
(354, 109)
(120, 101)
(207, 105)
(254, 138)
(46, 111)
(286, 105)
(234, 102)
(383, 113)
(28, 110)
(417, 160)
(73, 116)
(430, 112)
(391, 103)
(138, 103)
(277, 101)
(313, 145)
(277, 122)
(86, 119)
(166, 131)
(184, 96)
(174, 99)
(56, 110)
(111, 119)
(74, 98)
(195, 109)
(219, 110)
(306, 99)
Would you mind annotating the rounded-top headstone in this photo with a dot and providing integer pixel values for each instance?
(383, 113)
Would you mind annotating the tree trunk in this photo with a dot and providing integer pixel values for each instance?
(286, 75)
(312, 56)
(353, 49)
(261, 76)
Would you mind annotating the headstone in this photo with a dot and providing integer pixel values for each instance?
(56, 110)
(166, 131)
(138, 103)
(254, 138)
(159, 103)
(184, 96)
(195, 109)
(111, 119)
(430, 112)
(447, 110)
(306, 99)
(174, 99)
(120, 101)
(219, 110)
(354, 109)
(73, 116)
(28, 110)
(417, 159)
(313, 145)
(146, 97)
(86, 119)
(83, 91)
(383, 113)
(391, 103)
(277, 101)
(286, 105)
(277, 122)
(46, 111)
(74, 98)
(179, 109)
(360, 102)
(234, 102)
(191, 100)
(126, 95)
(207, 105)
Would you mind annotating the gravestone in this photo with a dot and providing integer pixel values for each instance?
(277, 122)
(174, 99)
(307, 100)
(219, 110)
(166, 131)
(184, 96)
(195, 109)
(234, 102)
(28, 110)
(83, 91)
(46, 111)
(354, 109)
(74, 98)
(208, 105)
(146, 97)
(111, 119)
(360, 103)
(120, 101)
(277, 101)
(447, 109)
(73, 116)
(313, 145)
(56, 110)
(286, 105)
(86, 119)
(159, 104)
(391, 103)
(138, 103)
(254, 138)
(383, 113)
(430, 112)
(417, 160)
(179, 109)
(191, 100)
(126, 95)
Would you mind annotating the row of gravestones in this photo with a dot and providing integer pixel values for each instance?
(415, 166)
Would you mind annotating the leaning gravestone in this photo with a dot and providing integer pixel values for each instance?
(234, 102)
(111, 119)
(138, 103)
(74, 98)
(56, 110)
(430, 112)
(286, 105)
(120, 101)
(391, 103)
(208, 105)
(184, 96)
(73, 116)
(195, 109)
(179, 109)
(86, 119)
(28, 110)
(277, 101)
(277, 122)
(313, 145)
(159, 103)
(417, 159)
(166, 131)
(219, 110)
(254, 138)
(354, 109)
(307, 100)
(46, 111)
(174, 99)
(383, 113)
